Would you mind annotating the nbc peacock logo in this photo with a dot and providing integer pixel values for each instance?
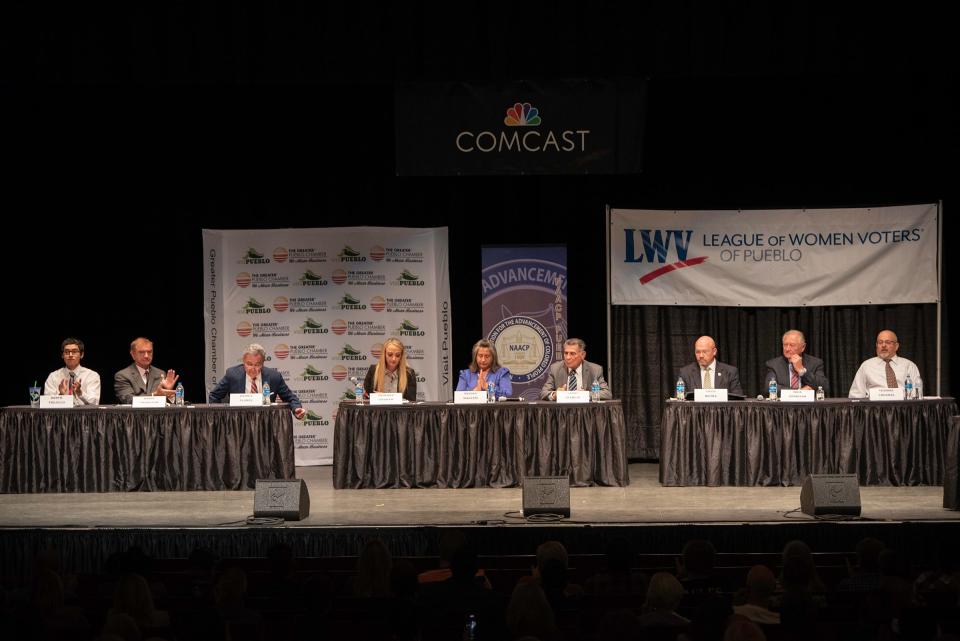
(311, 326)
(351, 353)
(253, 306)
(350, 255)
(310, 279)
(311, 373)
(409, 329)
(254, 257)
(522, 115)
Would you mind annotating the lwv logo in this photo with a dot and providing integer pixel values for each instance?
(654, 247)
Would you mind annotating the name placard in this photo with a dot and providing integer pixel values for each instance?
(387, 398)
(886, 394)
(716, 395)
(150, 402)
(578, 396)
(797, 395)
(56, 401)
(469, 397)
(246, 400)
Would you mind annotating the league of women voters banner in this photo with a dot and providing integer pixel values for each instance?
(321, 302)
(775, 258)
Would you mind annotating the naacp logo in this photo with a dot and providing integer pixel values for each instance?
(524, 347)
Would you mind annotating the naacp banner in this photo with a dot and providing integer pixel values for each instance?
(322, 302)
(775, 258)
(525, 310)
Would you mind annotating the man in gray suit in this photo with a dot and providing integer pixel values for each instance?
(707, 372)
(141, 378)
(574, 373)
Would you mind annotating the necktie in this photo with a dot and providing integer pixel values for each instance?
(794, 378)
(572, 381)
(253, 386)
(891, 377)
(707, 379)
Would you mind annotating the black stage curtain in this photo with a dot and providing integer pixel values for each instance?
(650, 344)
(121, 449)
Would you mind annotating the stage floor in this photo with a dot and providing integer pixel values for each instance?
(644, 501)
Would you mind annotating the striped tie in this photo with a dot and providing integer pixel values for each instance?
(253, 386)
(572, 381)
(794, 378)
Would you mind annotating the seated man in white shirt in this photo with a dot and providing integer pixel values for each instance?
(886, 369)
(74, 378)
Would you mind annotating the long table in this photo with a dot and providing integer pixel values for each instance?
(777, 443)
(490, 445)
(118, 448)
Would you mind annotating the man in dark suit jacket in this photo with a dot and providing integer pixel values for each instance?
(721, 375)
(250, 376)
(794, 365)
(574, 360)
(141, 378)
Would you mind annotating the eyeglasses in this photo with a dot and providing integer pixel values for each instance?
(68, 352)
(886, 342)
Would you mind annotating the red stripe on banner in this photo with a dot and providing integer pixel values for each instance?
(669, 268)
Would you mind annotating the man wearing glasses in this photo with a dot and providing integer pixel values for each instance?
(74, 378)
(885, 370)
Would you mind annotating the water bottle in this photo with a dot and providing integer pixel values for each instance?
(918, 389)
(358, 392)
(595, 392)
(470, 628)
(681, 389)
(266, 393)
(772, 389)
(820, 394)
(908, 388)
(178, 395)
(491, 393)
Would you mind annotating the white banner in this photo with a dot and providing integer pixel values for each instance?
(321, 302)
(775, 258)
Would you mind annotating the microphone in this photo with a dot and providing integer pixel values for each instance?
(353, 379)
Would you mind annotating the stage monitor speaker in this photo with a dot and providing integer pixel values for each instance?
(279, 498)
(830, 494)
(546, 495)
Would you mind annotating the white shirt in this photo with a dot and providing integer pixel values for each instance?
(89, 384)
(873, 373)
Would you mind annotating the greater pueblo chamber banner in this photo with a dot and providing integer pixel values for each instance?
(322, 301)
(529, 127)
(775, 258)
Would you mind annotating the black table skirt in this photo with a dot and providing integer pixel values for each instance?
(496, 445)
(775, 443)
(108, 449)
(951, 475)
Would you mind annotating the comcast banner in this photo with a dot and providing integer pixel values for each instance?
(525, 310)
(322, 301)
(775, 258)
